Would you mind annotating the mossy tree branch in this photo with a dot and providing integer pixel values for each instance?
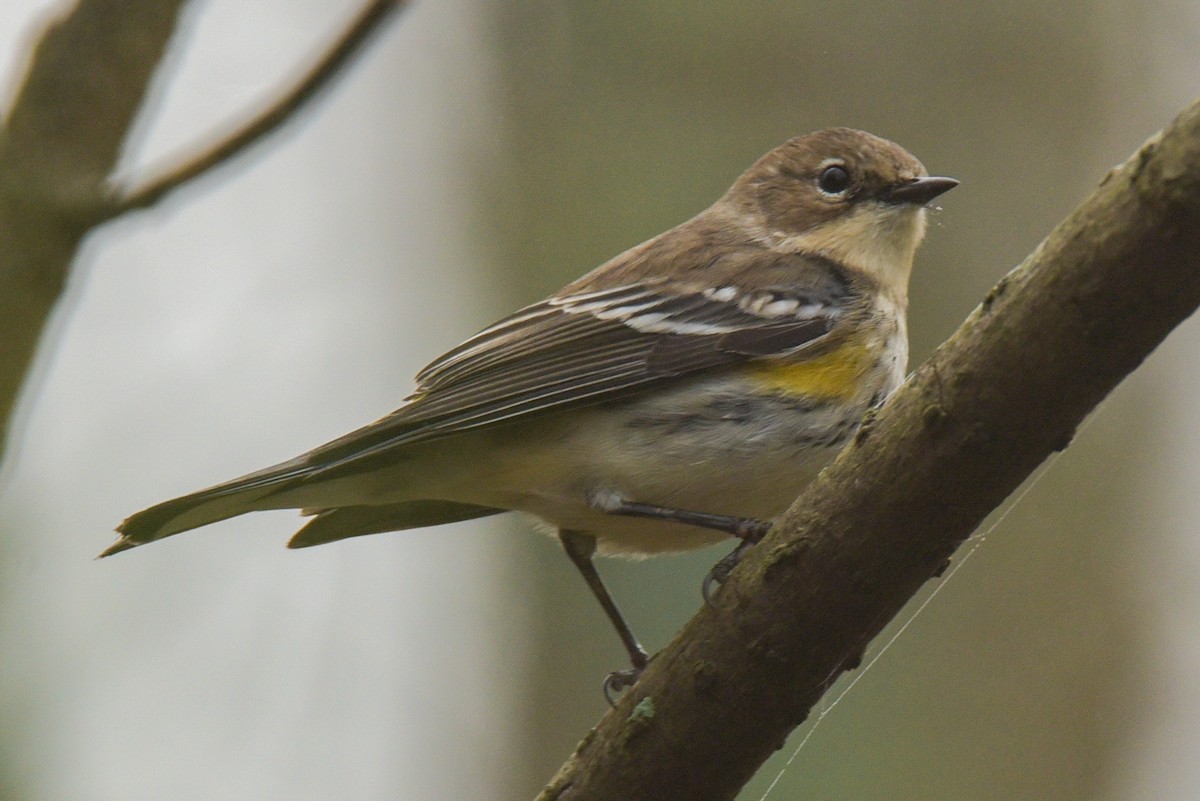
(1049, 342)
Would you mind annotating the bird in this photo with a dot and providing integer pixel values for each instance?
(683, 392)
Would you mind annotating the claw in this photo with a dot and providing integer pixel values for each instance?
(619, 681)
(721, 570)
(714, 579)
(753, 531)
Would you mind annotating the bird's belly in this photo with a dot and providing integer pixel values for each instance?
(725, 453)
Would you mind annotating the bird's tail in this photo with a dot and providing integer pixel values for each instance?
(249, 493)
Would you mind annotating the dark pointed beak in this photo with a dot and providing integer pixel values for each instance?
(918, 191)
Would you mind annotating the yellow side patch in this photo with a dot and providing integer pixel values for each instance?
(837, 374)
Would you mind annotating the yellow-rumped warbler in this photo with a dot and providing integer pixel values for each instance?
(680, 393)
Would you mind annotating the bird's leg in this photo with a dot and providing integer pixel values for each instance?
(744, 528)
(747, 529)
(581, 548)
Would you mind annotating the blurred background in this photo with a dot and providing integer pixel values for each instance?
(478, 157)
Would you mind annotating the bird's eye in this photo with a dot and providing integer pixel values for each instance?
(833, 180)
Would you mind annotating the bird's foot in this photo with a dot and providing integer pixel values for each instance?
(751, 533)
(619, 681)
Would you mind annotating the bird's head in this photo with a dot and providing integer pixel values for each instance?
(845, 194)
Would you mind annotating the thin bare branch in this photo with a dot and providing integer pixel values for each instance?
(87, 79)
(1009, 388)
(205, 158)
